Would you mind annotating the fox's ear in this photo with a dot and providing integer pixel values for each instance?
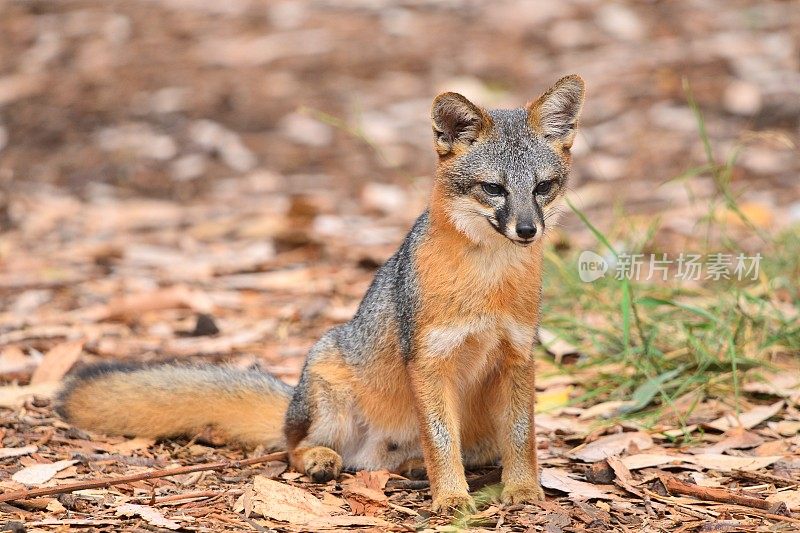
(555, 114)
(457, 122)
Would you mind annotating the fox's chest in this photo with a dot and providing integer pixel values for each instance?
(478, 335)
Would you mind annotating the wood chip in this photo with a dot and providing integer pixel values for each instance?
(150, 515)
(40, 473)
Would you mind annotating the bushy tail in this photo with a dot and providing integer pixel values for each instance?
(171, 400)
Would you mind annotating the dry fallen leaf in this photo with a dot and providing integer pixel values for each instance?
(152, 516)
(736, 439)
(553, 478)
(790, 497)
(552, 398)
(178, 296)
(645, 460)
(16, 452)
(555, 345)
(602, 410)
(13, 359)
(279, 501)
(57, 362)
(748, 419)
(611, 445)
(131, 445)
(709, 461)
(40, 473)
(565, 424)
(786, 428)
(364, 492)
(773, 447)
(785, 384)
(729, 463)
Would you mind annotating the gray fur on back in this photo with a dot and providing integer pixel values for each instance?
(390, 299)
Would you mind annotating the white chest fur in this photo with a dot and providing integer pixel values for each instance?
(482, 332)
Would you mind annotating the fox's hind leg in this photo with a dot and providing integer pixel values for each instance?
(319, 422)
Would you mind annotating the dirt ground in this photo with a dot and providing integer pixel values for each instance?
(217, 181)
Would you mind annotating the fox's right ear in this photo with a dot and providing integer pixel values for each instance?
(457, 122)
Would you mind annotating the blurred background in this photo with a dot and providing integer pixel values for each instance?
(255, 160)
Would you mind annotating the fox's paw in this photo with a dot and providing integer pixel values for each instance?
(453, 502)
(516, 494)
(322, 464)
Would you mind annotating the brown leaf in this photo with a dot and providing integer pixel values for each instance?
(57, 362)
(790, 497)
(374, 479)
(775, 447)
(13, 359)
(556, 479)
(737, 439)
(748, 419)
(175, 297)
(364, 492)
(279, 501)
(612, 445)
(555, 345)
(709, 461)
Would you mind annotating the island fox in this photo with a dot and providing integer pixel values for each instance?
(436, 364)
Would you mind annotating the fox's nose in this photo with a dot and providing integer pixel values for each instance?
(526, 231)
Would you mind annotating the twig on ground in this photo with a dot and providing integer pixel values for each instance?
(408, 484)
(762, 514)
(153, 474)
(758, 477)
(719, 494)
(187, 496)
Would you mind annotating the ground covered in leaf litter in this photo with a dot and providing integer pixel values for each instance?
(210, 281)
(164, 98)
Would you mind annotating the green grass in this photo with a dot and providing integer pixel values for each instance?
(654, 344)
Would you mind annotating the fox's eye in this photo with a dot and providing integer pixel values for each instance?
(493, 189)
(544, 187)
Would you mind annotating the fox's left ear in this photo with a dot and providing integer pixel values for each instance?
(555, 114)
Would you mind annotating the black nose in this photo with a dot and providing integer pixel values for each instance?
(526, 231)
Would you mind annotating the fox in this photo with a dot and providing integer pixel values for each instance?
(435, 371)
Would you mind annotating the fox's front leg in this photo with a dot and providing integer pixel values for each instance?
(516, 429)
(440, 434)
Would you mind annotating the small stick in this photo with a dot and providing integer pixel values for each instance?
(757, 477)
(186, 496)
(722, 495)
(408, 484)
(153, 474)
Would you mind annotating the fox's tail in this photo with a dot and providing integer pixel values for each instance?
(170, 400)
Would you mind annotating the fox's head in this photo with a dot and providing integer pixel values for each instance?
(501, 171)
